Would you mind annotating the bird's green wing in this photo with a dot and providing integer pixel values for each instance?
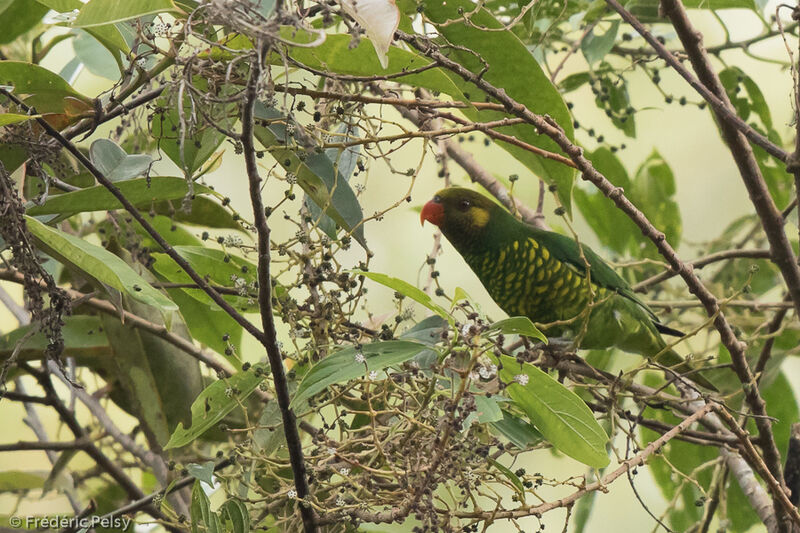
(568, 251)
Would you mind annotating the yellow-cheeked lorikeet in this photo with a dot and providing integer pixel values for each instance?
(543, 275)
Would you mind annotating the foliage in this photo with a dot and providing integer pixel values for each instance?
(152, 299)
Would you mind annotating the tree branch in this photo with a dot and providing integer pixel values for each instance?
(771, 219)
(701, 262)
(269, 339)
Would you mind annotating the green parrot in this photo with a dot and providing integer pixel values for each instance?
(543, 275)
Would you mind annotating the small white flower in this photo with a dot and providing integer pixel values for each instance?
(331, 450)
(373, 375)
(344, 471)
(466, 330)
(522, 379)
(488, 371)
(360, 358)
(229, 392)
(141, 62)
(340, 502)
(292, 494)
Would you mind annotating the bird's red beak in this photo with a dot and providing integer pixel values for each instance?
(433, 212)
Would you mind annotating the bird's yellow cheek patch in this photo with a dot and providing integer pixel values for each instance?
(479, 216)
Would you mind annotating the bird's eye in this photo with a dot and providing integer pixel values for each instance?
(437, 199)
(464, 204)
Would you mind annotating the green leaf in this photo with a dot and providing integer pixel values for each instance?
(7, 119)
(315, 173)
(653, 191)
(98, 263)
(518, 325)
(614, 229)
(575, 81)
(109, 35)
(16, 18)
(562, 417)
(202, 513)
(112, 161)
(235, 513)
(209, 324)
(518, 432)
(613, 98)
(205, 212)
(336, 55)
(165, 226)
(96, 56)
(512, 68)
(159, 380)
(218, 267)
(139, 392)
(203, 472)
(84, 339)
(734, 79)
(100, 12)
(14, 480)
(344, 163)
(47, 91)
(684, 457)
(595, 47)
(269, 440)
(584, 506)
(57, 474)
(427, 331)
(511, 476)
(216, 401)
(408, 290)
(342, 366)
(98, 198)
(12, 155)
(487, 409)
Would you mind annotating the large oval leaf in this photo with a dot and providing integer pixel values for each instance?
(114, 163)
(344, 365)
(562, 417)
(216, 401)
(47, 90)
(97, 263)
(100, 12)
(406, 289)
(138, 191)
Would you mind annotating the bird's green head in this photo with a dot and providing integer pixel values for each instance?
(465, 217)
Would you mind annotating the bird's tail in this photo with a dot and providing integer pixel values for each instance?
(680, 366)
